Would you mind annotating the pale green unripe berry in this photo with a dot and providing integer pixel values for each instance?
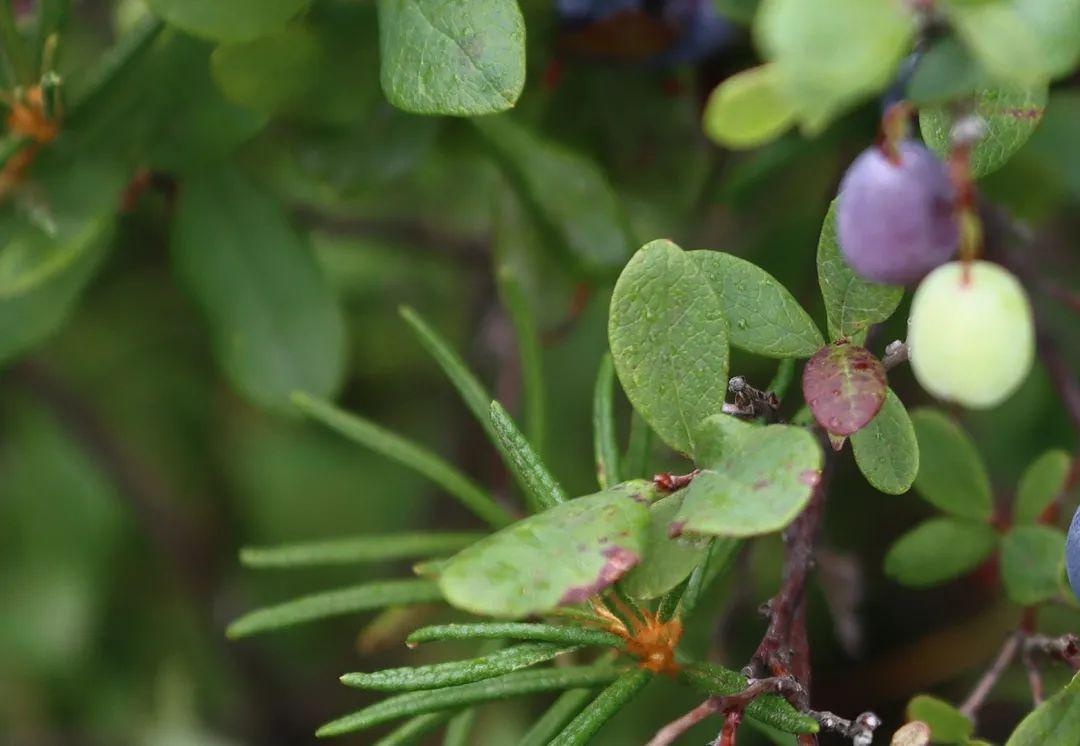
(971, 337)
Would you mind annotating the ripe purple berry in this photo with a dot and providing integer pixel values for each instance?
(1072, 554)
(895, 219)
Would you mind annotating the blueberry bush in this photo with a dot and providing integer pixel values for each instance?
(745, 303)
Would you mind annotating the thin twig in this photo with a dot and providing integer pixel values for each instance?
(990, 679)
(728, 705)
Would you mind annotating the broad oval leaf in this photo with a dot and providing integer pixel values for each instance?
(668, 560)
(1025, 41)
(669, 340)
(228, 20)
(852, 304)
(1056, 722)
(72, 205)
(560, 556)
(52, 244)
(844, 385)
(1055, 24)
(947, 71)
(951, 475)
(886, 450)
(762, 482)
(1042, 481)
(567, 195)
(29, 318)
(947, 723)
(1010, 115)
(462, 57)
(1032, 560)
(763, 317)
(747, 109)
(939, 550)
(276, 325)
(832, 52)
(269, 73)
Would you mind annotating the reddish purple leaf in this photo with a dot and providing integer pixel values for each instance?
(844, 386)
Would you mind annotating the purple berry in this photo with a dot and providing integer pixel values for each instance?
(895, 220)
(1072, 554)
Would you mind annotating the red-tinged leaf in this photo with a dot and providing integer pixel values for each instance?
(844, 386)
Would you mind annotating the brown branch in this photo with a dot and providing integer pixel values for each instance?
(781, 663)
(773, 656)
(989, 680)
(732, 706)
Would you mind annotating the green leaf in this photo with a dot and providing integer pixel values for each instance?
(763, 481)
(560, 556)
(939, 550)
(886, 450)
(947, 724)
(1042, 481)
(277, 327)
(405, 452)
(763, 317)
(747, 109)
(228, 20)
(194, 127)
(459, 730)
(363, 597)
(722, 554)
(668, 561)
(72, 212)
(1054, 23)
(1032, 560)
(1056, 722)
(29, 318)
(470, 389)
(605, 441)
(844, 385)
(831, 53)
(616, 696)
(539, 486)
(52, 245)
(951, 475)
(1010, 115)
(527, 335)
(436, 675)
(462, 58)
(567, 195)
(852, 304)
(770, 709)
(542, 491)
(639, 450)
(357, 549)
(412, 730)
(511, 685)
(556, 633)
(269, 73)
(1027, 42)
(946, 72)
(669, 339)
(556, 717)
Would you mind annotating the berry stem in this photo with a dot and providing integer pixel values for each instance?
(895, 124)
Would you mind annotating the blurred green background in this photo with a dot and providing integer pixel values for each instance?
(131, 471)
